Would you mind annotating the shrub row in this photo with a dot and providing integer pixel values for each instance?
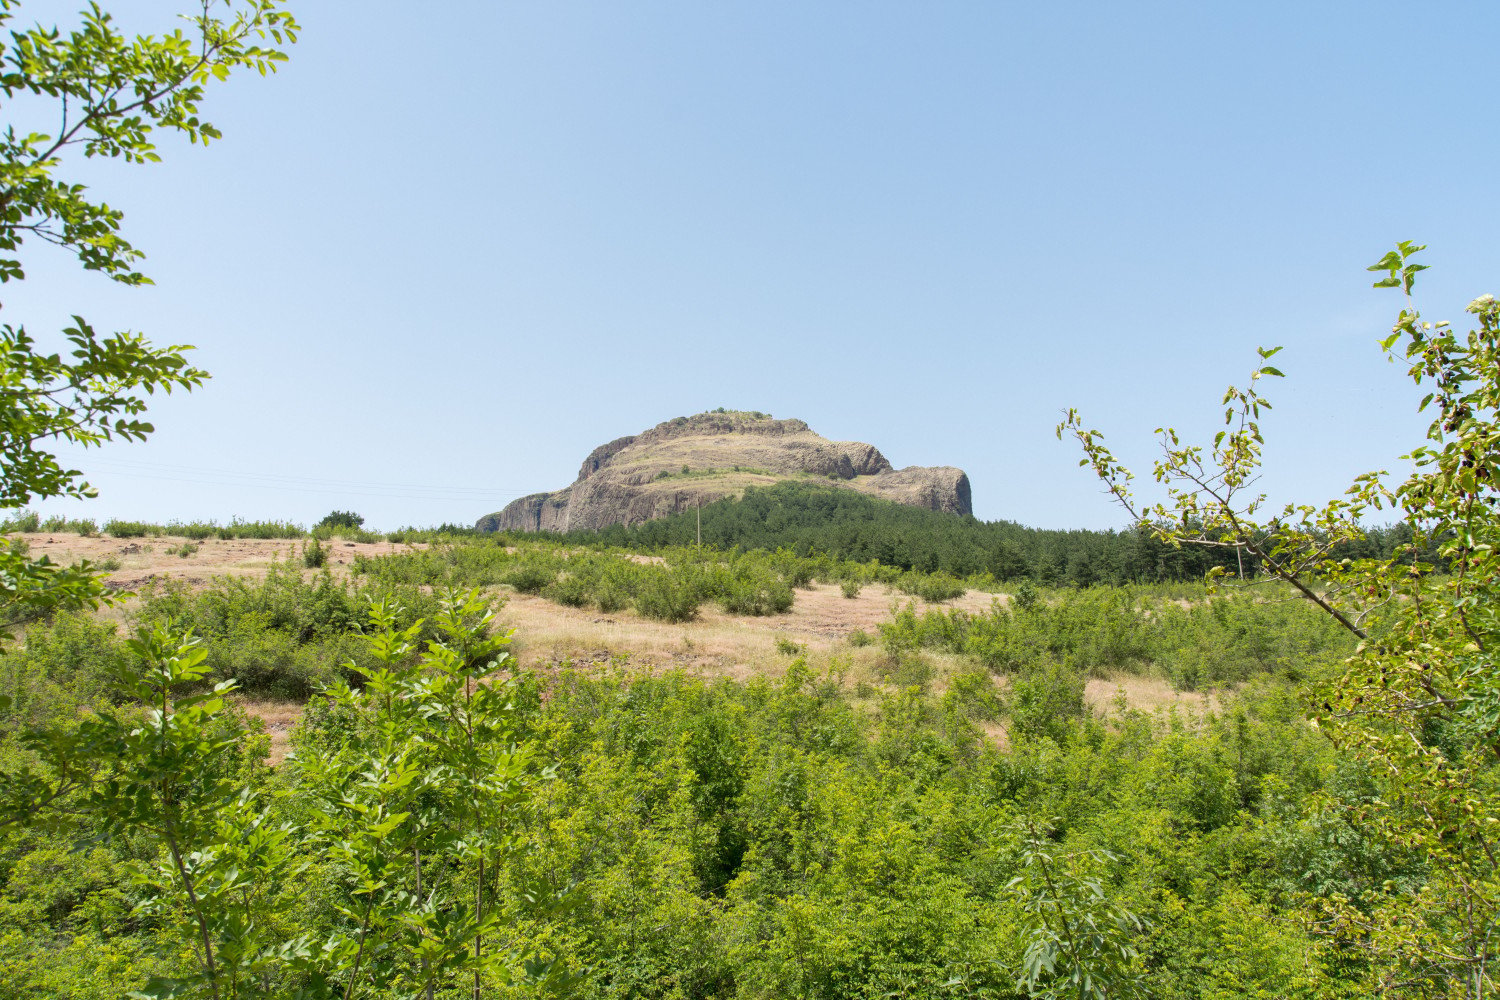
(284, 635)
(30, 521)
(1222, 640)
(670, 587)
(609, 581)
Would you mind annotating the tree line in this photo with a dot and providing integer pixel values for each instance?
(811, 518)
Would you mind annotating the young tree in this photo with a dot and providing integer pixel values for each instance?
(102, 95)
(1419, 702)
(341, 519)
(410, 816)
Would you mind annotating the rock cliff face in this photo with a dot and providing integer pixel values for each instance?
(682, 463)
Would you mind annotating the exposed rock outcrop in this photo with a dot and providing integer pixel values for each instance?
(688, 461)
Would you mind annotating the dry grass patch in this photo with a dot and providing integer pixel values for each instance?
(1147, 694)
(279, 718)
(715, 643)
(144, 561)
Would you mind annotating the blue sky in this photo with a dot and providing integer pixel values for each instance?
(450, 248)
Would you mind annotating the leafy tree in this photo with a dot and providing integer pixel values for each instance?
(341, 519)
(1419, 702)
(413, 815)
(1079, 943)
(100, 94)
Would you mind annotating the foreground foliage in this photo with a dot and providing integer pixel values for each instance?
(366, 869)
(98, 94)
(1419, 703)
(622, 834)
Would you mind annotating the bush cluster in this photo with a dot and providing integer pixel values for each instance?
(670, 587)
(282, 636)
(199, 530)
(1222, 640)
(773, 838)
(30, 520)
(671, 590)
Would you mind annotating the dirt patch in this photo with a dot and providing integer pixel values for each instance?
(717, 643)
(279, 718)
(1147, 694)
(823, 612)
(145, 559)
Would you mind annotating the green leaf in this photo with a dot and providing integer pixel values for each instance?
(161, 988)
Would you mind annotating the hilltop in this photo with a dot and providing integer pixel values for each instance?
(686, 462)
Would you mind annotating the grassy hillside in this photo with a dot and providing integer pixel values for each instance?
(704, 773)
(842, 813)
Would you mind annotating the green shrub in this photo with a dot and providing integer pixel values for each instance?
(1026, 596)
(761, 594)
(667, 597)
(126, 529)
(314, 556)
(341, 519)
(797, 572)
(85, 526)
(787, 647)
(859, 637)
(530, 577)
(568, 590)
(282, 635)
(612, 596)
(937, 587)
(67, 662)
(850, 588)
(22, 521)
(1046, 699)
(973, 693)
(238, 528)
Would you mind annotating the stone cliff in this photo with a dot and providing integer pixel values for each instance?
(688, 461)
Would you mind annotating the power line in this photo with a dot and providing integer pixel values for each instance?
(199, 476)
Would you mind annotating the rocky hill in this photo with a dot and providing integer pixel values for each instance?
(688, 461)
